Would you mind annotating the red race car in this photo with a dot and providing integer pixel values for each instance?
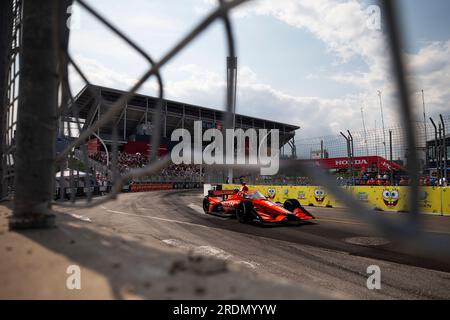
(251, 206)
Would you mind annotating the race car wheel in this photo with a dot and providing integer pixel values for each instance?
(291, 204)
(206, 205)
(244, 211)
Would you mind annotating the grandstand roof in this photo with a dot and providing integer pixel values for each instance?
(175, 114)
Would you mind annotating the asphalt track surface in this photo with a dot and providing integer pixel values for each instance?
(332, 253)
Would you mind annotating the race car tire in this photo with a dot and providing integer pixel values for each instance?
(244, 211)
(291, 204)
(206, 204)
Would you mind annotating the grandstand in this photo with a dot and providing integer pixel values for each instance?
(134, 122)
(134, 126)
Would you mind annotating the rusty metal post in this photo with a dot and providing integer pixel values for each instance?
(36, 118)
(6, 22)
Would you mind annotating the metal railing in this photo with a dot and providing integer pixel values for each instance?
(370, 143)
(11, 94)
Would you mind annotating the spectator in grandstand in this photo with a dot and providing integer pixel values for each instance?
(371, 181)
(403, 182)
(183, 171)
(125, 161)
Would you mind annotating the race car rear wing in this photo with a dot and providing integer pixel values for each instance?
(216, 191)
(219, 193)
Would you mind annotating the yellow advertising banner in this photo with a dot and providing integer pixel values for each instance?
(431, 199)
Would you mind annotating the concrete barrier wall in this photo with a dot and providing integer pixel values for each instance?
(136, 187)
(150, 187)
(431, 199)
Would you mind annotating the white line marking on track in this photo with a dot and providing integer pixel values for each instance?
(212, 251)
(171, 242)
(79, 217)
(208, 251)
(157, 218)
(174, 242)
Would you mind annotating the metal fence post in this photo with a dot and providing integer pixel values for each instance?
(349, 140)
(444, 151)
(435, 153)
(352, 155)
(390, 158)
(36, 118)
(5, 45)
(440, 154)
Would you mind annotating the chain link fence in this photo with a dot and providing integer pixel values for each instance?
(11, 34)
(388, 145)
(371, 142)
(44, 35)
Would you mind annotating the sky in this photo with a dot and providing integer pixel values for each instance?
(311, 63)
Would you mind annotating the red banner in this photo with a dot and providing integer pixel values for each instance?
(362, 163)
(150, 187)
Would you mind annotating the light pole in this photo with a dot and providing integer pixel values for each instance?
(382, 123)
(376, 147)
(424, 115)
(231, 97)
(365, 131)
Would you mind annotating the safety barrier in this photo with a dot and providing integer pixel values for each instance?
(431, 199)
(150, 187)
(135, 187)
(187, 185)
(142, 187)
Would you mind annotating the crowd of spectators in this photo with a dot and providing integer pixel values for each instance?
(273, 180)
(127, 162)
(99, 156)
(373, 179)
(369, 179)
(432, 181)
(387, 180)
(184, 171)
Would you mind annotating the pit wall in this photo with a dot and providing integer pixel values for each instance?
(382, 198)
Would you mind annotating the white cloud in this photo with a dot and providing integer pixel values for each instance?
(431, 72)
(99, 74)
(256, 98)
(342, 27)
